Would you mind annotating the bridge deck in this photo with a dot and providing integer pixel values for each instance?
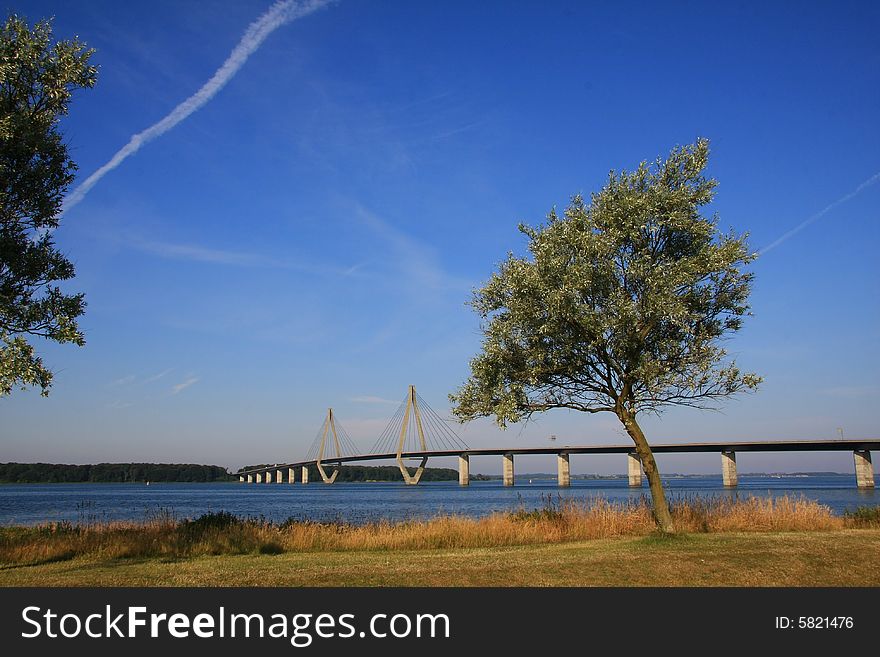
(872, 444)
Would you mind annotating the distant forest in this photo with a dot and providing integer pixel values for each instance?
(368, 473)
(40, 473)
(54, 473)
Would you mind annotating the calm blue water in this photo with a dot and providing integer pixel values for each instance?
(361, 502)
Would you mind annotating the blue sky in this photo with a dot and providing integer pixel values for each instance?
(310, 235)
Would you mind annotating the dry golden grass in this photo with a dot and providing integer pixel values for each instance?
(562, 522)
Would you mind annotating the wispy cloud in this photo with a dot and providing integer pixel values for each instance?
(454, 131)
(852, 391)
(205, 254)
(119, 404)
(158, 376)
(843, 199)
(184, 385)
(257, 32)
(417, 261)
(369, 399)
(210, 255)
(125, 380)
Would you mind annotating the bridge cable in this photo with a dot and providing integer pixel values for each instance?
(385, 441)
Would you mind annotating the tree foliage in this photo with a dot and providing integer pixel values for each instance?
(37, 79)
(621, 306)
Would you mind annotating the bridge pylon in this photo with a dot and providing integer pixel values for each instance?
(329, 427)
(412, 408)
(416, 429)
(323, 450)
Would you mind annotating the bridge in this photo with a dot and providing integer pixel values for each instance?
(416, 432)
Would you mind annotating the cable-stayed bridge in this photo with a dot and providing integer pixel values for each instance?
(416, 432)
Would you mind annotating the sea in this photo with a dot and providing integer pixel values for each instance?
(356, 503)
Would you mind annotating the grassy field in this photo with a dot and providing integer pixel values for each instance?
(826, 558)
(751, 542)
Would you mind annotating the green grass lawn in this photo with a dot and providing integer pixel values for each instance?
(848, 557)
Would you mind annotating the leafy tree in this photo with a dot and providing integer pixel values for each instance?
(620, 308)
(37, 79)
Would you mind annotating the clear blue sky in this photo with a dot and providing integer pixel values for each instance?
(310, 235)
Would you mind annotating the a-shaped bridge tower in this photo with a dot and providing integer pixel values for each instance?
(415, 427)
(342, 442)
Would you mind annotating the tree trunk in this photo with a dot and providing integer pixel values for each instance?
(660, 508)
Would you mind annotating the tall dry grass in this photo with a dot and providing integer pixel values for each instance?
(556, 522)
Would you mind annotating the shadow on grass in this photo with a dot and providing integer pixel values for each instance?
(55, 558)
(659, 539)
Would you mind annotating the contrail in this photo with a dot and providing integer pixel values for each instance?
(257, 32)
(843, 199)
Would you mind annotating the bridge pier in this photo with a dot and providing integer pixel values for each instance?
(279, 476)
(291, 476)
(250, 478)
(305, 475)
(259, 477)
(464, 470)
(268, 478)
(241, 479)
(728, 468)
(864, 468)
(323, 473)
(634, 469)
(563, 469)
(508, 469)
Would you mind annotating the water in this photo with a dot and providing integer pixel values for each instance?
(25, 504)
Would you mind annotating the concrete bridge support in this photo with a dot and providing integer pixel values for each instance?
(864, 468)
(259, 477)
(250, 479)
(305, 475)
(241, 479)
(508, 469)
(563, 469)
(279, 476)
(464, 469)
(291, 476)
(728, 468)
(323, 473)
(634, 469)
(268, 477)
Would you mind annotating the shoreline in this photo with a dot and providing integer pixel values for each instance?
(476, 477)
(782, 542)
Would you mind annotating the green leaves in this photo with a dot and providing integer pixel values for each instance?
(37, 80)
(19, 365)
(621, 303)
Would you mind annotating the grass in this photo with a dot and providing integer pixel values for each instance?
(863, 516)
(722, 542)
(828, 558)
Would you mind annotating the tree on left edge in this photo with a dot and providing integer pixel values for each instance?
(37, 80)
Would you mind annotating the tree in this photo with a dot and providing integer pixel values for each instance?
(621, 309)
(37, 80)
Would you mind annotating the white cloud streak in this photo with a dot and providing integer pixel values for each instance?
(198, 253)
(853, 391)
(257, 32)
(369, 399)
(184, 385)
(416, 260)
(843, 199)
(158, 376)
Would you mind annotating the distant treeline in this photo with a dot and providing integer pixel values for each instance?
(368, 473)
(38, 473)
